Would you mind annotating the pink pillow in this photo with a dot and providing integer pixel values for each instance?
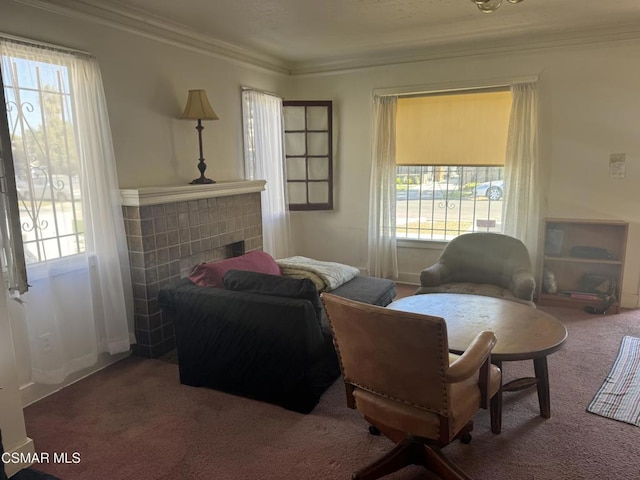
(210, 274)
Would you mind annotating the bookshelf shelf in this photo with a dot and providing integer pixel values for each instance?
(582, 260)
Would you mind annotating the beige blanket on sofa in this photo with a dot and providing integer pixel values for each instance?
(326, 276)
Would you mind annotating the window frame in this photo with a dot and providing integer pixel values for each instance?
(44, 184)
(461, 89)
(309, 206)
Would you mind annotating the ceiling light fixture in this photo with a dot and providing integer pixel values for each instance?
(489, 6)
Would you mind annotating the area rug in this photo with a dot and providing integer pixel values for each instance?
(619, 395)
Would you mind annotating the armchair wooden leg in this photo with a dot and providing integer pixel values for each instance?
(403, 454)
(439, 464)
(411, 451)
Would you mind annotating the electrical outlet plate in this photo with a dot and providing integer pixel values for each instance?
(45, 342)
(617, 165)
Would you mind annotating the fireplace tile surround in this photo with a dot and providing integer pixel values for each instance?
(170, 230)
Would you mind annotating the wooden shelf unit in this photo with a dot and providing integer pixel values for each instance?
(560, 236)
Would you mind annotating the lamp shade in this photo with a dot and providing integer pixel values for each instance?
(198, 107)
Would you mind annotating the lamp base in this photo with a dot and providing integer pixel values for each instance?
(202, 181)
(202, 166)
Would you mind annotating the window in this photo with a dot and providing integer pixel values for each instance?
(450, 152)
(80, 297)
(43, 139)
(308, 153)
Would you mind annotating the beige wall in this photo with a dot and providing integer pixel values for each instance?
(589, 108)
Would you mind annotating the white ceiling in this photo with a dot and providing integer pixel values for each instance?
(308, 35)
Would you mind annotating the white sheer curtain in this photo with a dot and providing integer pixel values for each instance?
(78, 305)
(521, 201)
(383, 259)
(263, 127)
(105, 238)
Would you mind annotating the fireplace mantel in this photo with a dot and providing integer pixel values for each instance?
(141, 196)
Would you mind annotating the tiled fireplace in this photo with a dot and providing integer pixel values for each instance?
(171, 229)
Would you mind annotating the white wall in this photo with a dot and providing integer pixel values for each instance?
(146, 84)
(589, 108)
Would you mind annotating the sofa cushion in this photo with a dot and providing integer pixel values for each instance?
(210, 274)
(266, 284)
(371, 290)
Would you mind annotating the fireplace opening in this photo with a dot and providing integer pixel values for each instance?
(235, 249)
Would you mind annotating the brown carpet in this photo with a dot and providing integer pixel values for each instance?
(135, 421)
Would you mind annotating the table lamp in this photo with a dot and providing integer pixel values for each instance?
(199, 108)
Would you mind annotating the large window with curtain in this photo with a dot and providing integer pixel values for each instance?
(450, 153)
(56, 142)
(483, 141)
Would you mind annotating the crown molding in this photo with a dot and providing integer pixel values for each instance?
(414, 54)
(141, 23)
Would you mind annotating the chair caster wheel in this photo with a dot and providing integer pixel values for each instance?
(373, 430)
(466, 438)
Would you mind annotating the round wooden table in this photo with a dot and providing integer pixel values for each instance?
(522, 333)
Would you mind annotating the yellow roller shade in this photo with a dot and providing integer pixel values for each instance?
(453, 129)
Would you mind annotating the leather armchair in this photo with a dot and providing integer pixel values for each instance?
(399, 374)
(490, 264)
